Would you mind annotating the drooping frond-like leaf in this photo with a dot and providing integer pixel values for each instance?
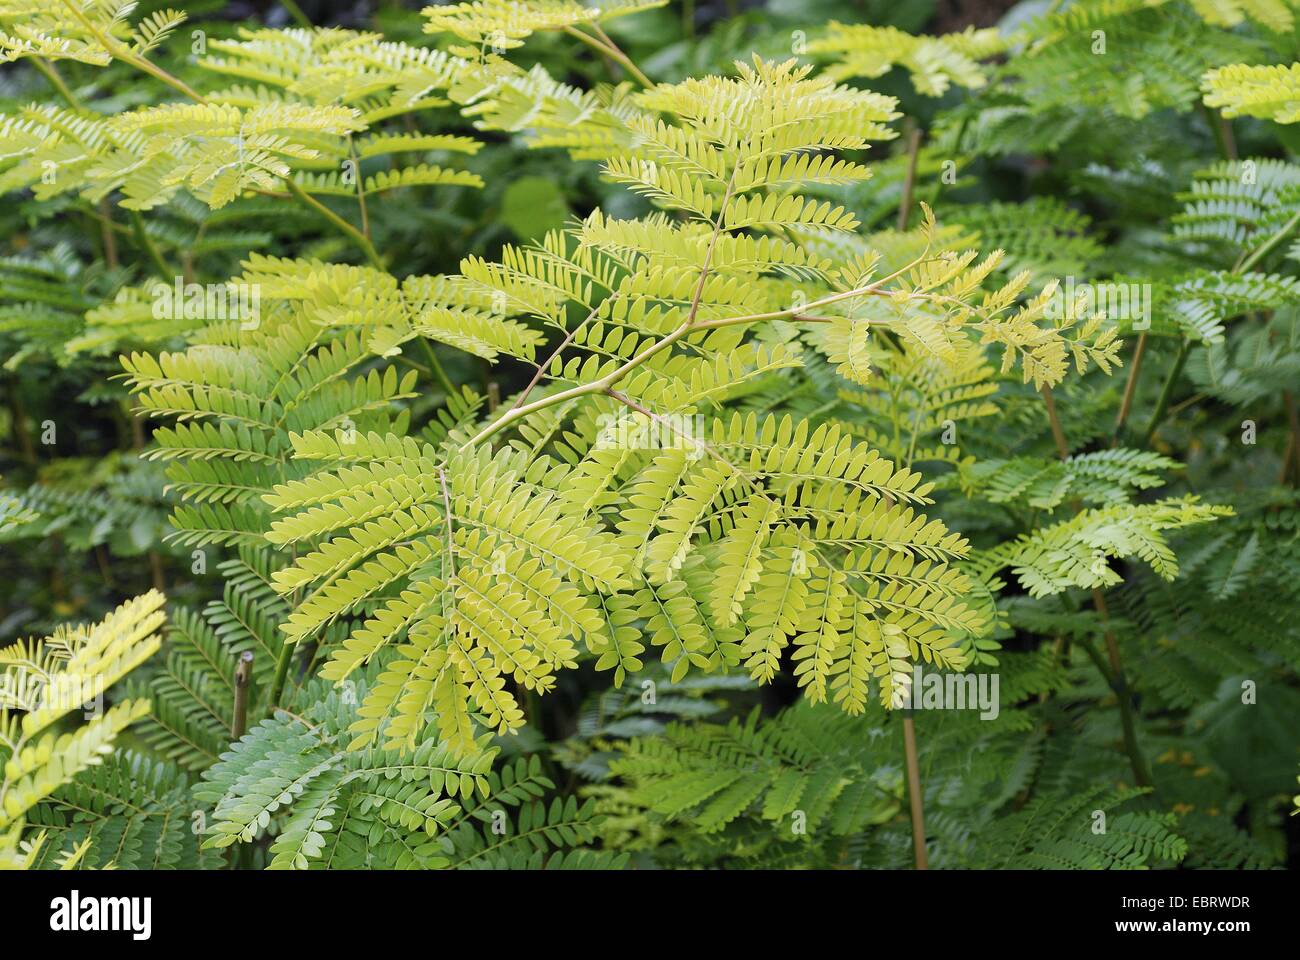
(1243, 90)
(45, 680)
(1076, 552)
(935, 63)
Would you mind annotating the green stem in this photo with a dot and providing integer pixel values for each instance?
(1268, 245)
(361, 239)
(1115, 675)
(1119, 683)
(295, 11)
(1097, 661)
(1115, 679)
(436, 367)
(1243, 266)
(1221, 133)
(56, 81)
(612, 51)
(281, 673)
(1167, 392)
(145, 241)
(116, 49)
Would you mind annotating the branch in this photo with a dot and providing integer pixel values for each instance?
(909, 180)
(1130, 386)
(568, 338)
(115, 49)
(607, 381)
(1115, 676)
(362, 240)
(914, 793)
(1166, 393)
(610, 49)
(56, 81)
(604, 383)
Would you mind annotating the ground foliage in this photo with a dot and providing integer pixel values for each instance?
(543, 434)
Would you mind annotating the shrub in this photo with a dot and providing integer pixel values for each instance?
(567, 441)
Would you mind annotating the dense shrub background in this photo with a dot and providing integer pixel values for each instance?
(1092, 188)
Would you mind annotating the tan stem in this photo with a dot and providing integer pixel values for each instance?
(909, 179)
(914, 794)
(1137, 760)
(243, 674)
(1130, 386)
(1062, 447)
(1293, 419)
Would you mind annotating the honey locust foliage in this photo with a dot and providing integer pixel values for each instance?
(46, 680)
(485, 571)
(805, 537)
(777, 394)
